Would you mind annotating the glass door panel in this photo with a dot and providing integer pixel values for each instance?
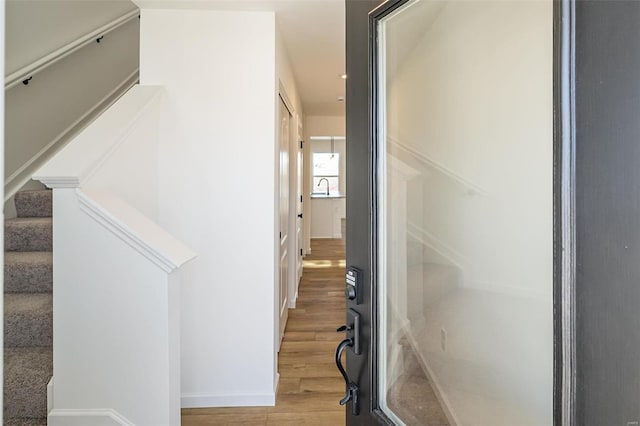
(465, 211)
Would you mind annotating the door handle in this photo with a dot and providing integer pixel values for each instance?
(300, 215)
(352, 392)
(352, 341)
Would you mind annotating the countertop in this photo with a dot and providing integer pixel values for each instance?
(321, 195)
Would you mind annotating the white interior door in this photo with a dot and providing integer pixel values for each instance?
(295, 207)
(284, 118)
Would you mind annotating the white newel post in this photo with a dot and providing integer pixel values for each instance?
(399, 174)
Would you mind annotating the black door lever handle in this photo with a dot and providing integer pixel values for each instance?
(352, 391)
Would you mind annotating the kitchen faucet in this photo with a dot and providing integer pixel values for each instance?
(325, 179)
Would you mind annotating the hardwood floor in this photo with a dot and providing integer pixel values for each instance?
(310, 385)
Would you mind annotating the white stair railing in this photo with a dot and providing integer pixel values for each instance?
(117, 275)
(405, 152)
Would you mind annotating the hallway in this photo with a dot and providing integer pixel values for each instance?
(310, 385)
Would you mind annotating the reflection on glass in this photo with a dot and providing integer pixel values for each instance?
(465, 128)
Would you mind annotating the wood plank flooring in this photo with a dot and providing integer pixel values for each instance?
(310, 385)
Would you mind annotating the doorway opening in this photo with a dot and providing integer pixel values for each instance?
(327, 178)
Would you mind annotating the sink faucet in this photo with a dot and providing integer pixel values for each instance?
(327, 180)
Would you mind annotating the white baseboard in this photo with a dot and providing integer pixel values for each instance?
(276, 383)
(433, 380)
(86, 417)
(294, 299)
(50, 395)
(203, 400)
(397, 363)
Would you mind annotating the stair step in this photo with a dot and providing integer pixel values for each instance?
(27, 372)
(28, 272)
(34, 203)
(28, 319)
(28, 234)
(25, 421)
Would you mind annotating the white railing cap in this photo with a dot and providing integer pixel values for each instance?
(135, 229)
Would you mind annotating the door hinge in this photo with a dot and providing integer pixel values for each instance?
(301, 199)
(280, 234)
(300, 252)
(301, 144)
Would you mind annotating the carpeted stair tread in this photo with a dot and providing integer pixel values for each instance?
(28, 319)
(26, 374)
(28, 272)
(28, 309)
(26, 422)
(36, 203)
(28, 234)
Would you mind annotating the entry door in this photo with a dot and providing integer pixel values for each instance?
(450, 232)
(284, 118)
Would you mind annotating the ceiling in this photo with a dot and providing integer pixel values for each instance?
(314, 35)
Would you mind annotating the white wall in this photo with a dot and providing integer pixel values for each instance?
(474, 98)
(117, 349)
(496, 139)
(67, 83)
(217, 173)
(317, 126)
(88, 79)
(284, 75)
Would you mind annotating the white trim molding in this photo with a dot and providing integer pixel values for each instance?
(135, 229)
(87, 417)
(403, 150)
(427, 239)
(50, 395)
(437, 387)
(200, 400)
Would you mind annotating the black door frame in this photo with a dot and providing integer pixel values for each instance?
(364, 367)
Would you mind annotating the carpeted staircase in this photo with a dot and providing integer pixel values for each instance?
(28, 326)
